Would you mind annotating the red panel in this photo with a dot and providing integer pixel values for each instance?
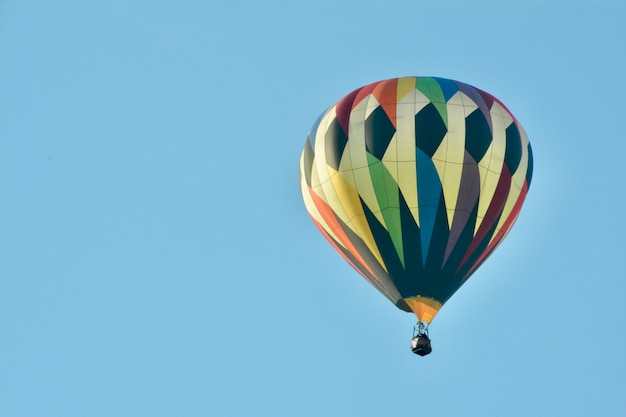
(508, 224)
(362, 93)
(343, 109)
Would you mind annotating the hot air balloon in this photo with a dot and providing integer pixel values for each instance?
(415, 181)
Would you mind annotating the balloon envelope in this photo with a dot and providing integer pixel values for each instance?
(415, 181)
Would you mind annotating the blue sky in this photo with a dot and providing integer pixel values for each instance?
(156, 258)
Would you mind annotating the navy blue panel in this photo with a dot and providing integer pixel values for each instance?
(438, 241)
(336, 140)
(412, 247)
(513, 152)
(478, 135)
(429, 129)
(459, 251)
(414, 279)
(378, 132)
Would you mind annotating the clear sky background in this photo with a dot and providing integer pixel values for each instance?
(156, 258)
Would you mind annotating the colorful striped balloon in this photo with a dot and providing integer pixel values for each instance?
(415, 181)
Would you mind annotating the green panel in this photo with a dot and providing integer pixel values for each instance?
(432, 90)
(388, 196)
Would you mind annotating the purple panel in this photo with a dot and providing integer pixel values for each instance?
(344, 107)
(468, 196)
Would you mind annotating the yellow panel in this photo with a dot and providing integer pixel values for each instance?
(346, 172)
(344, 201)
(383, 280)
(424, 308)
(334, 199)
(490, 166)
(349, 200)
(405, 86)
